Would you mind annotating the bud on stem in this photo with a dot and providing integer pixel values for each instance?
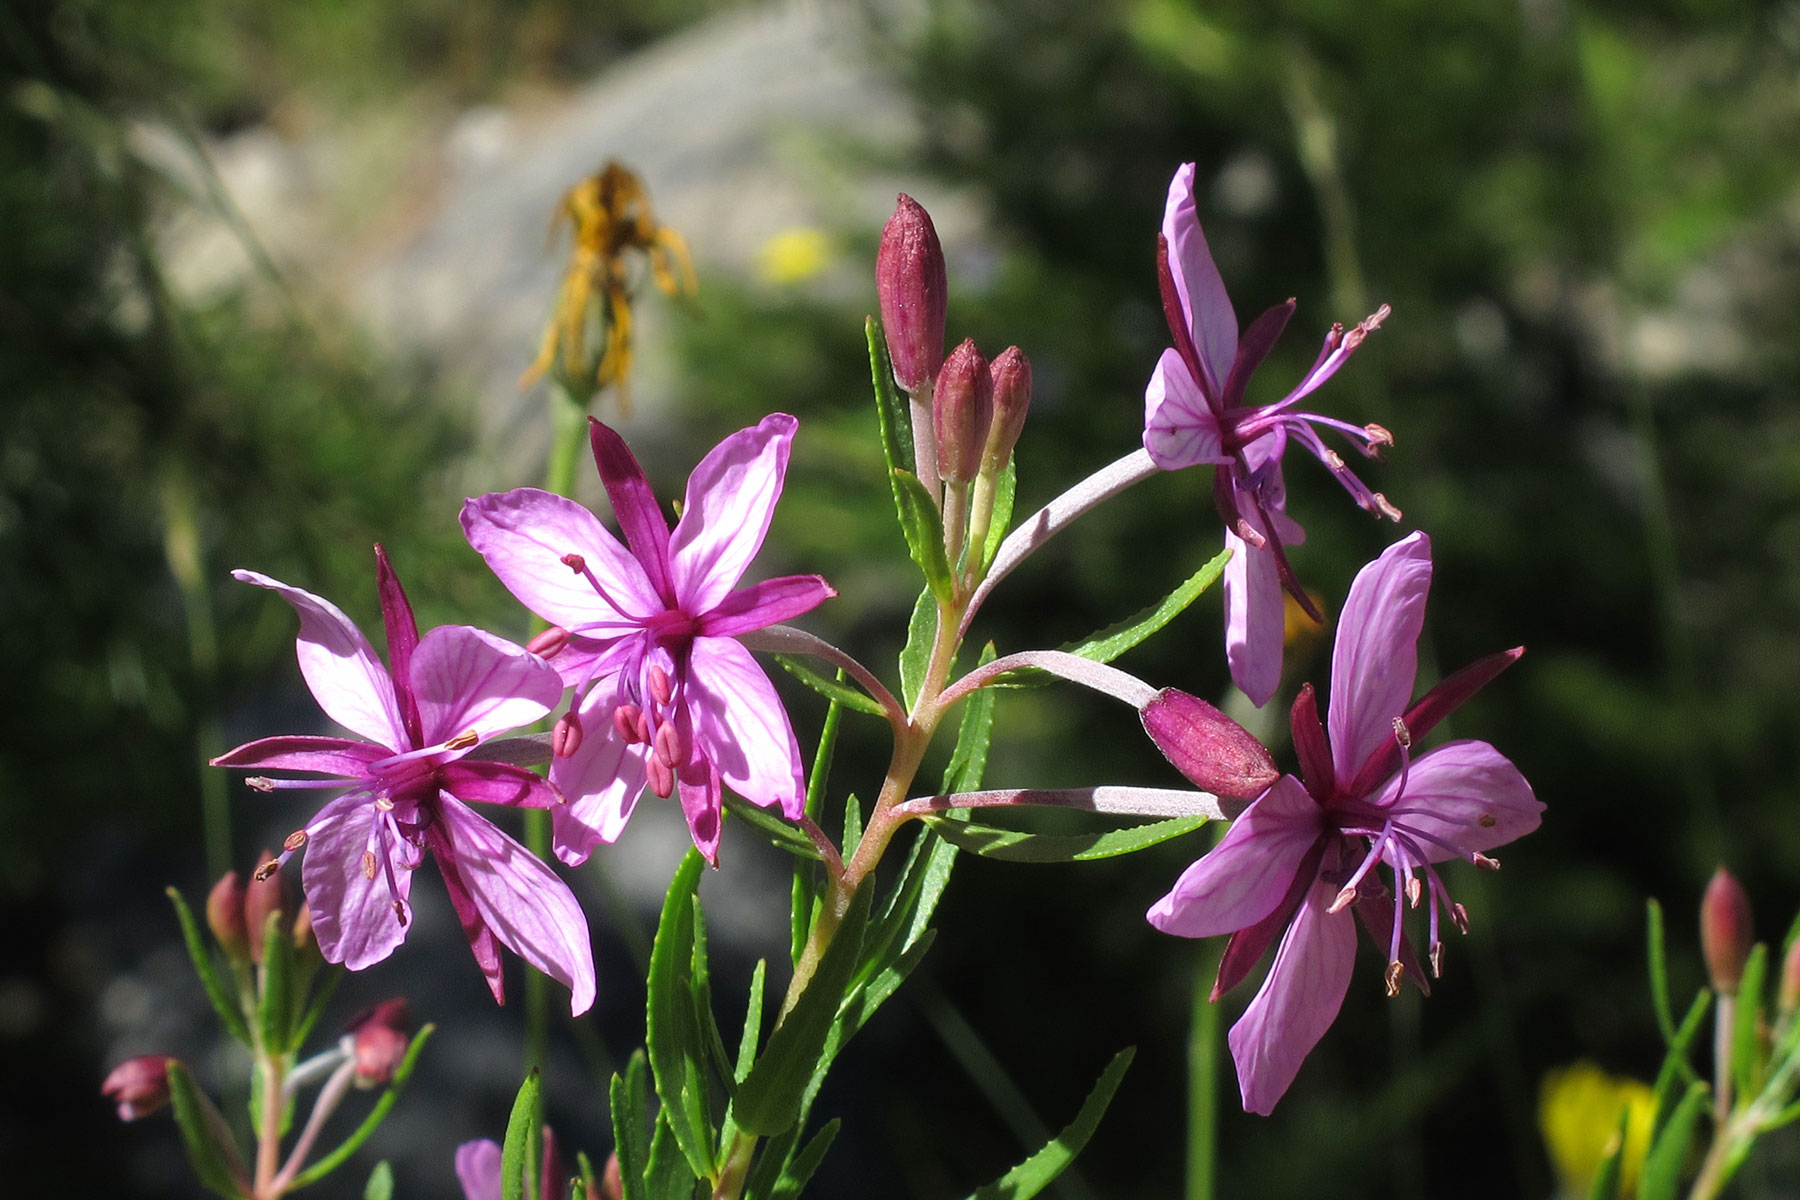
(266, 894)
(910, 284)
(139, 1085)
(962, 409)
(1726, 931)
(1011, 374)
(225, 917)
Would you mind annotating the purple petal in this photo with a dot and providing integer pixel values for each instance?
(1212, 750)
(1180, 428)
(1466, 795)
(467, 680)
(527, 907)
(340, 758)
(1255, 618)
(741, 727)
(602, 779)
(1297, 1002)
(1197, 281)
(764, 604)
(1376, 656)
(340, 666)
(698, 788)
(645, 528)
(402, 636)
(730, 499)
(478, 1169)
(482, 942)
(1247, 946)
(1242, 879)
(524, 534)
(497, 783)
(346, 872)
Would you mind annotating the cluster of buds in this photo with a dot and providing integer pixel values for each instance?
(967, 412)
(242, 917)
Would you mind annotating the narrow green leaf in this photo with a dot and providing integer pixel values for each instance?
(968, 762)
(1746, 1043)
(521, 1154)
(807, 879)
(377, 1114)
(224, 1000)
(752, 1022)
(853, 825)
(891, 411)
(1659, 972)
(794, 1179)
(274, 1007)
(1786, 1116)
(1669, 1152)
(836, 690)
(630, 1100)
(671, 1029)
(669, 1176)
(381, 1183)
(1014, 845)
(772, 827)
(1041, 1169)
(203, 1135)
(704, 1019)
(915, 656)
(585, 1174)
(768, 1101)
(923, 527)
(315, 1008)
(1115, 640)
(1005, 489)
(913, 901)
(1605, 1185)
(1675, 1066)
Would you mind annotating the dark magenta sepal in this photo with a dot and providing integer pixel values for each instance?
(645, 528)
(1311, 746)
(402, 639)
(1253, 347)
(1423, 716)
(1246, 947)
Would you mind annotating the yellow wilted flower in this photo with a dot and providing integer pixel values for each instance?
(610, 215)
(1578, 1113)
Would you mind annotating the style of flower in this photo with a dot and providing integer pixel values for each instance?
(669, 698)
(1302, 857)
(1194, 413)
(423, 715)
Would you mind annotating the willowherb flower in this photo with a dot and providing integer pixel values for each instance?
(424, 714)
(670, 699)
(1302, 858)
(1194, 413)
(140, 1086)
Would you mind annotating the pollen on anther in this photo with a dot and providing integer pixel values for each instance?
(260, 783)
(368, 864)
(400, 912)
(463, 740)
(1342, 900)
(1484, 862)
(1378, 435)
(1437, 960)
(1402, 734)
(1249, 535)
(1459, 916)
(1415, 891)
(267, 869)
(294, 840)
(1384, 506)
(1396, 971)
(384, 804)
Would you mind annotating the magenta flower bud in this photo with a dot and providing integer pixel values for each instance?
(225, 917)
(1726, 931)
(910, 283)
(549, 643)
(1207, 746)
(380, 1037)
(962, 408)
(1011, 374)
(565, 735)
(139, 1085)
(266, 894)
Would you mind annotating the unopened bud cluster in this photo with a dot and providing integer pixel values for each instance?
(240, 916)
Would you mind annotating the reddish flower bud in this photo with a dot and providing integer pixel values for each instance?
(139, 1085)
(380, 1036)
(1207, 746)
(1726, 931)
(303, 931)
(612, 1182)
(962, 409)
(1011, 373)
(266, 894)
(911, 286)
(225, 916)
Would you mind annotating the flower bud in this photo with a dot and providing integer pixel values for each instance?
(911, 286)
(612, 1182)
(1207, 746)
(380, 1037)
(1726, 933)
(140, 1085)
(225, 916)
(962, 408)
(1011, 374)
(263, 897)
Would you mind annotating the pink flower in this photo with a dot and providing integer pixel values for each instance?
(670, 699)
(139, 1085)
(439, 698)
(1302, 858)
(1194, 413)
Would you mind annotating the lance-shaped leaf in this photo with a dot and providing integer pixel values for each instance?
(204, 1136)
(769, 825)
(794, 1179)
(834, 690)
(1659, 970)
(224, 1002)
(629, 1097)
(677, 1049)
(890, 410)
(274, 1007)
(1669, 1153)
(1005, 489)
(1116, 639)
(1017, 845)
(701, 990)
(1675, 1066)
(808, 881)
(768, 1101)
(923, 527)
(668, 1176)
(520, 1153)
(377, 1114)
(1747, 1023)
(381, 1183)
(1041, 1169)
(915, 656)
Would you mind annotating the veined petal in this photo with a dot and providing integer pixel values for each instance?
(698, 787)
(766, 603)
(496, 783)
(1242, 879)
(527, 907)
(466, 679)
(741, 727)
(1197, 281)
(1297, 1002)
(1180, 428)
(1376, 656)
(482, 942)
(478, 1169)
(339, 665)
(602, 780)
(1255, 617)
(341, 758)
(1465, 795)
(730, 499)
(346, 872)
(524, 535)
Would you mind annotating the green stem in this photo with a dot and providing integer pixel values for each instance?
(1203, 1085)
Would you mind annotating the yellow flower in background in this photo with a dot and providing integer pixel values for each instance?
(610, 215)
(794, 256)
(1579, 1108)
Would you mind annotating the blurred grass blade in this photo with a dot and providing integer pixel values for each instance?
(794, 1179)
(381, 1182)
(1675, 1067)
(1041, 1169)
(520, 1153)
(1659, 972)
(629, 1098)
(1607, 1175)
(204, 1135)
(771, 826)
(1746, 1028)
